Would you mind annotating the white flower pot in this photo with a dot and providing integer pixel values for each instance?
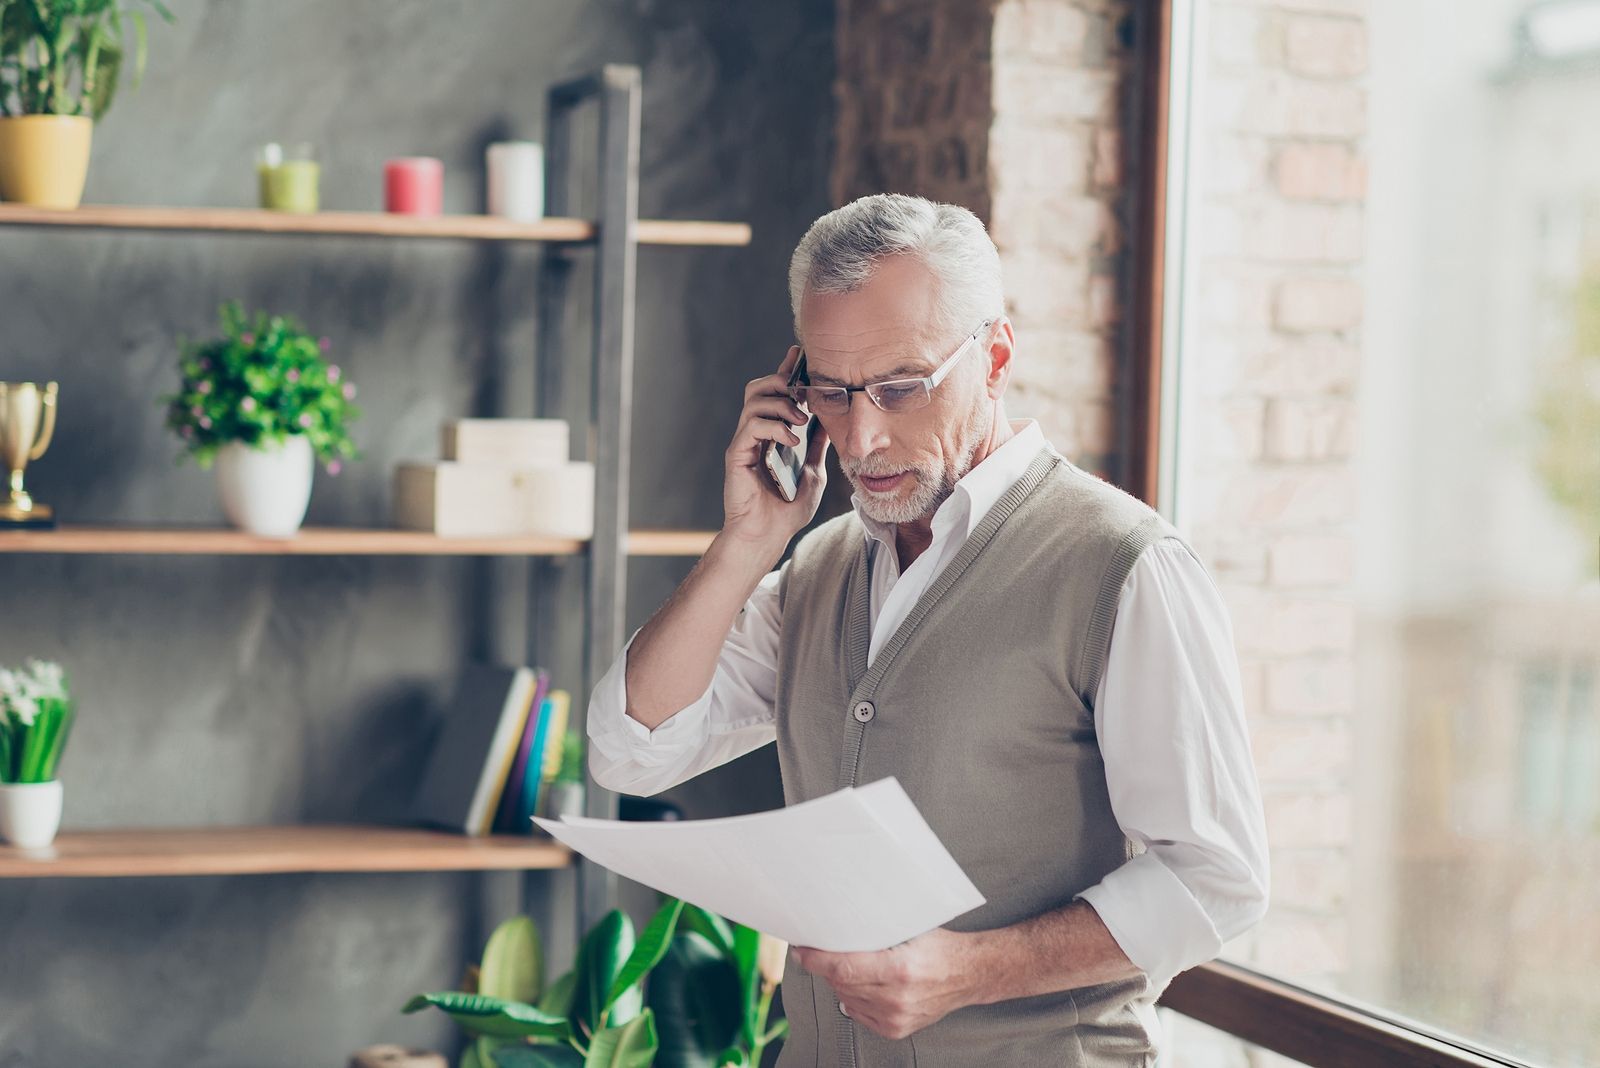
(266, 491)
(30, 813)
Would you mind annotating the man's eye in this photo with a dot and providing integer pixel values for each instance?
(898, 391)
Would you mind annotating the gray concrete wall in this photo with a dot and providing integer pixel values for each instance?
(219, 691)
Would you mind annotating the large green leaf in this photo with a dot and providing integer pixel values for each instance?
(513, 962)
(605, 949)
(484, 1047)
(557, 999)
(633, 1045)
(481, 1015)
(649, 950)
(537, 1057)
(695, 995)
(710, 926)
(746, 950)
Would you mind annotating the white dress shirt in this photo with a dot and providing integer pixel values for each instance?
(1168, 715)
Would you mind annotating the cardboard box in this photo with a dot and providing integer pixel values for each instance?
(483, 500)
(506, 442)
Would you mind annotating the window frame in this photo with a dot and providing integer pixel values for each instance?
(1316, 1029)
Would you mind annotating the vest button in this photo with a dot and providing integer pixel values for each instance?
(863, 712)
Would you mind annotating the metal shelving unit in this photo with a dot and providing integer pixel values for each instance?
(565, 571)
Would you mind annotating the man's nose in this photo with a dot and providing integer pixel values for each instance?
(866, 429)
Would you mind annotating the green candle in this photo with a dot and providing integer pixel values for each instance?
(289, 186)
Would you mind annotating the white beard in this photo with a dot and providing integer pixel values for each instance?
(932, 484)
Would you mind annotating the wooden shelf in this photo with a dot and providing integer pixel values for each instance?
(323, 541)
(364, 224)
(670, 542)
(268, 850)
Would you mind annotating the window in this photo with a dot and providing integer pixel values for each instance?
(1382, 432)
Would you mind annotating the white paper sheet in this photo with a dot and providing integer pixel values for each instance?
(857, 870)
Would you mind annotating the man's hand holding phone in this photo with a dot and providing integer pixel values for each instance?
(754, 509)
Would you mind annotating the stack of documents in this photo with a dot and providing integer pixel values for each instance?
(857, 870)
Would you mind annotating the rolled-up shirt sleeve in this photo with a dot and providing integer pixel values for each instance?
(732, 717)
(1171, 724)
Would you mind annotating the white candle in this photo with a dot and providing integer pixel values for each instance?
(516, 180)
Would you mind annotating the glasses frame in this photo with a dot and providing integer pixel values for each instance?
(798, 383)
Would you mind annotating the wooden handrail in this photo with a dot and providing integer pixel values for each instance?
(1314, 1029)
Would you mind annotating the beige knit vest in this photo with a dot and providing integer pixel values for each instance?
(981, 704)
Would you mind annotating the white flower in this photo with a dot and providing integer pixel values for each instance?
(26, 708)
(49, 680)
(10, 685)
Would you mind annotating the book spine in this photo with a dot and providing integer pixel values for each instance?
(497, 762)
(530, 786)
(511, 801)
(550, 763)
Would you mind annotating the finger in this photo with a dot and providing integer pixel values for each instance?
(872, 1022)
(778, 381)
(789, 358)
(758, 431)
(855, 970)
(767, 386)
(777, 408)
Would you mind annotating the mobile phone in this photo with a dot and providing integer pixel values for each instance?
(786, 463)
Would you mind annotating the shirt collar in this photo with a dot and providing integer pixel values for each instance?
(975, 493)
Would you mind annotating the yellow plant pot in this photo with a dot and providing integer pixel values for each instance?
(44, 159)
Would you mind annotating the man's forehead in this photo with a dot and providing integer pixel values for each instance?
(853, 359)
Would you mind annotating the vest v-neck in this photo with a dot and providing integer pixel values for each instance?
(858, 629)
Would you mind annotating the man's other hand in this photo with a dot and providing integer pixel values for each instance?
(897, 992)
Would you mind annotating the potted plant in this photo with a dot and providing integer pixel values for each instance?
(566, 794)
(593, 1016)
(692, 990)
(712, 992)
(60, 61)
(264, 404)
(36, 713)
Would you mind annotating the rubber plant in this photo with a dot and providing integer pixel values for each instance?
(712, 992)
(594, 1016)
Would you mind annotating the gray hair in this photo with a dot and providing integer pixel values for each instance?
(840, 251)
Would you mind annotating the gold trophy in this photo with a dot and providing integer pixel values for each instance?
(27, 421)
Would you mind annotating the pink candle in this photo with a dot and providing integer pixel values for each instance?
(414, 185)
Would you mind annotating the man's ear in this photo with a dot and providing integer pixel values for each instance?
(1002, 349)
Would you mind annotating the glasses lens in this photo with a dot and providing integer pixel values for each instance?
(823, 400)
(901, 395)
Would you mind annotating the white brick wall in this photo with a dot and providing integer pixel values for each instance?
(1280, 238)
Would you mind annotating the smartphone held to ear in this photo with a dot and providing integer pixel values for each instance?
(785, 463)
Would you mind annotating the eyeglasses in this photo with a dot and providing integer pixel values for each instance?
(892, 395)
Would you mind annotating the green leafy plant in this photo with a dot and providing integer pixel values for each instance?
(36, 714)
(65, 57)
(693, 991)
(594, 1016)
(712, 993)
(262, 381)
(571, 766)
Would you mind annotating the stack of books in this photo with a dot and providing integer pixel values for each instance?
(497, 751)
(498, 478)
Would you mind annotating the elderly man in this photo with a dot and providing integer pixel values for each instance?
(1038, 657)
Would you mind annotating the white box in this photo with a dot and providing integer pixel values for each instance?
(509, 442)
(492, 500)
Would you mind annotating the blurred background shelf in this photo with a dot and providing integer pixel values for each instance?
(268, 850)
(367, 224)
(325, 541)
